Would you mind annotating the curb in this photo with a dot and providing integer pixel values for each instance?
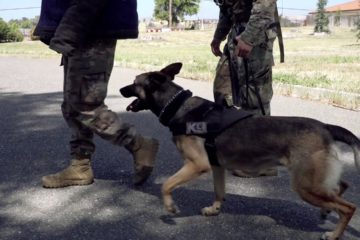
(341, 99)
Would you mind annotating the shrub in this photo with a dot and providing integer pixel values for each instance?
(9, 33)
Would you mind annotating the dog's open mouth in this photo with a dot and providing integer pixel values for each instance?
(136, 105)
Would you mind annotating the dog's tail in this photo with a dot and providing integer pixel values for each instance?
(343, 135)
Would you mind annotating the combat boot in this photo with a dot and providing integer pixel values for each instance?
(79, 172)
(262, 173)
(144, 152)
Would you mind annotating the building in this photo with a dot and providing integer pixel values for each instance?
(341, 15)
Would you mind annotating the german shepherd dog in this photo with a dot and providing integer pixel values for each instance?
(303, 145)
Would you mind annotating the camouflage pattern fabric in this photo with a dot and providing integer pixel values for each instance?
(249, 19)
(86, 76)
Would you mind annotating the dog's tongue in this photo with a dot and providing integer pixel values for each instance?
(133, 106)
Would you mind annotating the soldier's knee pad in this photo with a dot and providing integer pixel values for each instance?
(106, 121)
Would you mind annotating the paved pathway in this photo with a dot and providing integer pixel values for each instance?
(33, 142)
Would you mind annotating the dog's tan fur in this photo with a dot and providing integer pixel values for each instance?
(308, 154)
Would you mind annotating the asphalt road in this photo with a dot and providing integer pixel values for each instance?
(33, 142)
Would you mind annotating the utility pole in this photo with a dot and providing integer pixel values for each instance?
(170, 13)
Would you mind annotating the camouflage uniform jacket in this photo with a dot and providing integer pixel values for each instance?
(255, 15)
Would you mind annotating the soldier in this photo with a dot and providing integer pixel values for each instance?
(244, 71)
(85, 32)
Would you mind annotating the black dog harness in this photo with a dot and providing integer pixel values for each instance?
(207, 120)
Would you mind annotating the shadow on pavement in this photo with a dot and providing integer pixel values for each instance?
(33, 142)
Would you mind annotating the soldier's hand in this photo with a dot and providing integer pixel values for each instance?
(242, 49)
(215, 47)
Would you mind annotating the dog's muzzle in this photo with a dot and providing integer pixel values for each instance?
(136, 105)
(128, 91)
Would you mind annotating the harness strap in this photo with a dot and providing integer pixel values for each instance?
(211, 151)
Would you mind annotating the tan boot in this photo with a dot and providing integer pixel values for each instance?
(262, 173)
(144, 152)
(79, 172)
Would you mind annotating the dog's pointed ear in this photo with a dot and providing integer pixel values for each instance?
(157, 78)
(172, 69)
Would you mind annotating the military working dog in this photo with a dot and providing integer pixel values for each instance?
(304, 145)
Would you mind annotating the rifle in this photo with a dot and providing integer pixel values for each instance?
(235, 86)
(279, 35)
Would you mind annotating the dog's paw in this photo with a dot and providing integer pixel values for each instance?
(210, 211)
(171, 208)
(169, 204)
(328, 236)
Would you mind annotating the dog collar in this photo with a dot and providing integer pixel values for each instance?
(173, 105)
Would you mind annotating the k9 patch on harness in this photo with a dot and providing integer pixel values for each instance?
(196, 128)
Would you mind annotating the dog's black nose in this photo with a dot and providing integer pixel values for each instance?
(127, 91)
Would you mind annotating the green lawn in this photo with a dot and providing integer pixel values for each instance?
(331, 62)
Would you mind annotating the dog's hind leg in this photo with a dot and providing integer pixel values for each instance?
(196, 162)
(335, 203)
(219, 187)
(332, 177)
(342, 188)
(318, 182)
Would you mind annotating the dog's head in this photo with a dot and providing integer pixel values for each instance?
(150, 86)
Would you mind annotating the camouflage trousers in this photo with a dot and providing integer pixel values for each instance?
(254, 82)
(86, 76)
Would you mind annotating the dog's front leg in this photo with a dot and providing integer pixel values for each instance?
(219, 187)
(185, 174)
(195, 163)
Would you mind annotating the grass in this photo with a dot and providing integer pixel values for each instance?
(153, 51)
(331, 62)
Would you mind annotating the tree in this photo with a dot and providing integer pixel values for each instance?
(321, 20)
(179, 9)
(15, 36)
(358, 28)
(24, 22)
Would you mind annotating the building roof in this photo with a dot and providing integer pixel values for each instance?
(348, 6)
